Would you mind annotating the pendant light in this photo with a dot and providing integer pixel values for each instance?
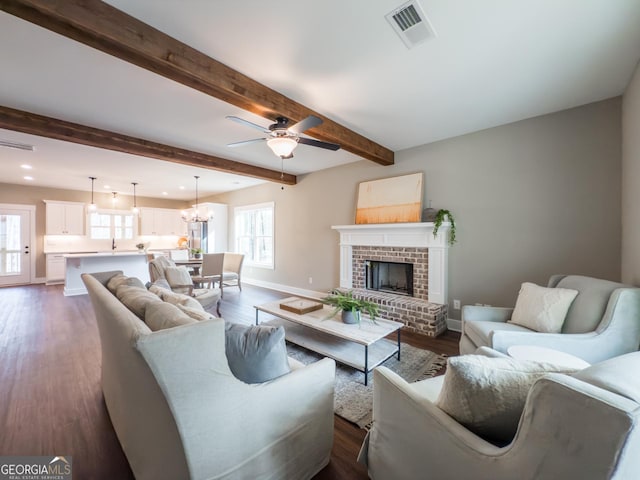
(195, 215)
(92, 206)
(135, 208)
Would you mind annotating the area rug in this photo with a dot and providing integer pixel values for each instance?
(354, 400)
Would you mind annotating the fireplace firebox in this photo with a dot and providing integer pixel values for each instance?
(389, 277)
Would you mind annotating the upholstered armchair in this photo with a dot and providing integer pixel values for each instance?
(179, 281)
(585, 425)
(602, 322)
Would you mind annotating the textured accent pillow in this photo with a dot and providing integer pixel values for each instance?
(161, 315)
(542, 309)
(178, 276)
(196, 313)
(175, 298)
(115, 281)
(487, 395)
(256, 353)
(136, 299)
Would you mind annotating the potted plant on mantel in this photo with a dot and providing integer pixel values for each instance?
(440, 217)
(350, 306)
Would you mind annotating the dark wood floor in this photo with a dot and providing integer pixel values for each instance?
(50, 397)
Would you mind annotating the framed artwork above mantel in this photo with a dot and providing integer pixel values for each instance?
(390, 200)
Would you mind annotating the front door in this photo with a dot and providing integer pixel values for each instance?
(15, 236)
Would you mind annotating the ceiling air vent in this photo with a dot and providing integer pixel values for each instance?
(411, 24)
(19, 146)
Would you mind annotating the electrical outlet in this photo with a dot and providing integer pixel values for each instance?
(456, 304)
(310, 280)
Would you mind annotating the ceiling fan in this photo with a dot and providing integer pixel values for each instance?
(281, 138)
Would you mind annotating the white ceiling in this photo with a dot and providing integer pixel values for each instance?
(493, 62)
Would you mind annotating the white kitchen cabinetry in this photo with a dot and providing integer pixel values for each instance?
(161, 221)
(56, 268)
(65, 218)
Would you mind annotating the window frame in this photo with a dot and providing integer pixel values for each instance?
(112, 225)
(248, 261)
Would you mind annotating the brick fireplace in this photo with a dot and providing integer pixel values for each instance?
(425, 311)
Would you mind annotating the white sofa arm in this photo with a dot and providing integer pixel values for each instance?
(232, 429)
(479, 313)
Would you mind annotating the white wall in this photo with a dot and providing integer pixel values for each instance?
(631, 181)
(531, 199)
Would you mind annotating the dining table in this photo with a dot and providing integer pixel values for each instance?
(193, 263)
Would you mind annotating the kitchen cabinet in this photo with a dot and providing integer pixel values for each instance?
(56, 268)
(64, 218)
(161, 221)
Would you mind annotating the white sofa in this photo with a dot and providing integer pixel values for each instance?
(179, 412)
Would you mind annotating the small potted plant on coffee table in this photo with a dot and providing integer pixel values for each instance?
(350, 306)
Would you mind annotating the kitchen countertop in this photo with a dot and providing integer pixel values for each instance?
(103, 254)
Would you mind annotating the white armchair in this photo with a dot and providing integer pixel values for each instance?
(602, 322)
(582, 426)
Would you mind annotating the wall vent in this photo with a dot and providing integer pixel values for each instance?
(411, 24)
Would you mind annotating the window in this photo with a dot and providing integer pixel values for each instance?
(254, 234)
(107, 224)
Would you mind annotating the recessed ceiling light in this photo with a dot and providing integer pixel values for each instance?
(27, 177)
(236, 183)
(108, 187)
(26, 167)
(181, 187)
(165, 193)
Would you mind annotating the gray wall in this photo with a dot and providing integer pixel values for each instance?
(631, 182)
(531, 199)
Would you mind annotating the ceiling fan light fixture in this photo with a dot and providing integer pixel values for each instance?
(282, 146)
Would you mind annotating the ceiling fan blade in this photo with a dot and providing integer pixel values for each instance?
(303, 125)
(242, 121)
(317, 143)
(245, 142)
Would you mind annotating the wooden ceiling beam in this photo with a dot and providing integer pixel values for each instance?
(101, 26)
(31, 123)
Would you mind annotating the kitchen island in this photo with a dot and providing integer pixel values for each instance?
(132, 264)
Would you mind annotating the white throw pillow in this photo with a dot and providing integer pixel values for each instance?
(542, 309)
(178, 276)
(487, 395)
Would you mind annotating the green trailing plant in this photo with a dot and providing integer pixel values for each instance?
(345, 301)
(440, 217)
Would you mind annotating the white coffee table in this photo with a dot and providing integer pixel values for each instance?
(336, 339)
(544, 354)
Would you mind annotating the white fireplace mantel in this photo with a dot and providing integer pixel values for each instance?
(415, 235)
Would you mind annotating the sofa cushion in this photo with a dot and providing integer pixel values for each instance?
(115, 281)
(136, 299)
(159, 316)
(487, 395)
(196, 313)
(256, 353)
(175, 298)
(542, 309)
(480, 332)
(588, 308)
(162, 283)
(618, 375)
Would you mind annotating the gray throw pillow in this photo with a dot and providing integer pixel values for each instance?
(256, 353)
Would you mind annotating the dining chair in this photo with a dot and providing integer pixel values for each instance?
(211, 271)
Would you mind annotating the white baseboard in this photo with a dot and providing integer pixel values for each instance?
(284, 288)
(39, 280)
(455, 325)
